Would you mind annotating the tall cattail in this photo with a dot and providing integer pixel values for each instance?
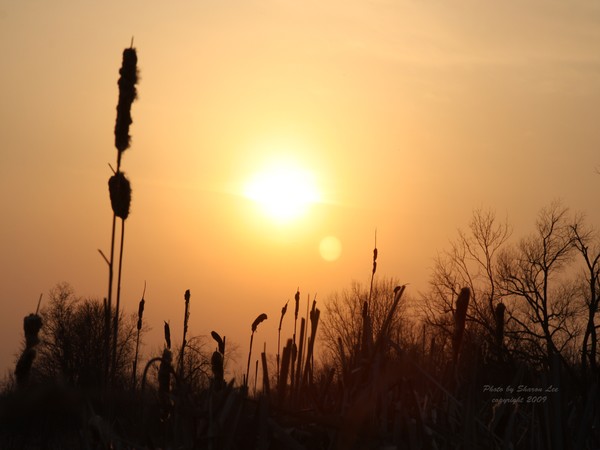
(31, 326)
(372, 274)
(285, 367)
(262, 317)
(283, 311)
(294, 348)
(499, 313)
(460, 316)
(127, 94)
(217, 361)
(216, 364)
(186, 318)
(120, 191)
(164, 372)
(314, 322)
(137, 341)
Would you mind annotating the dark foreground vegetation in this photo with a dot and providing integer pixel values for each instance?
(500, 353)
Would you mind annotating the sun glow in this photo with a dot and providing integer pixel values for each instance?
(284, 191)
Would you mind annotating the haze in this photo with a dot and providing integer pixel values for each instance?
(409, 114)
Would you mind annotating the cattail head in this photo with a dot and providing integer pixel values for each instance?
(186, 296)
(258, 320)
(120, 194)
(140, 313)
(297, 300)
(127, 94)
(32, 325)
(220, 342)
(168, 335)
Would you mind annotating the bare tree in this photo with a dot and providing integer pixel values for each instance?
(343, 325)
(72, 339)
(470, 262)
(588, 246)
(533, 275)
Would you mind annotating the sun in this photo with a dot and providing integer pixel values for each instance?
(284, 190)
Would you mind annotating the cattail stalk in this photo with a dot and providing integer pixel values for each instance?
(255, 324)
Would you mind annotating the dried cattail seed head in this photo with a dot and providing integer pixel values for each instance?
(120, 195)
(140, 313)
(258, 320)
(32, 325)
(127, 94)
(167, 335)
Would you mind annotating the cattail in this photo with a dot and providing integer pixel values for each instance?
(367, 333)
(372, 273)
(499, 313)
(220, 341)
(168, 335)
(186, 318)
(262, 317)
(31, 326)
(283, 311)
(164, 372)
(314, 322)
(258, 321)
(137, 341)
(265, 371)
(216, 364)
(120, 194)
(294, 348)
(285, 367)
(140, 313)
(460, 315)
(127, 94)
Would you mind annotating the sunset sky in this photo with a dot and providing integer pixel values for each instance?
(404, 115)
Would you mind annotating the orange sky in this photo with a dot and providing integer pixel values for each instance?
(410, 115)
